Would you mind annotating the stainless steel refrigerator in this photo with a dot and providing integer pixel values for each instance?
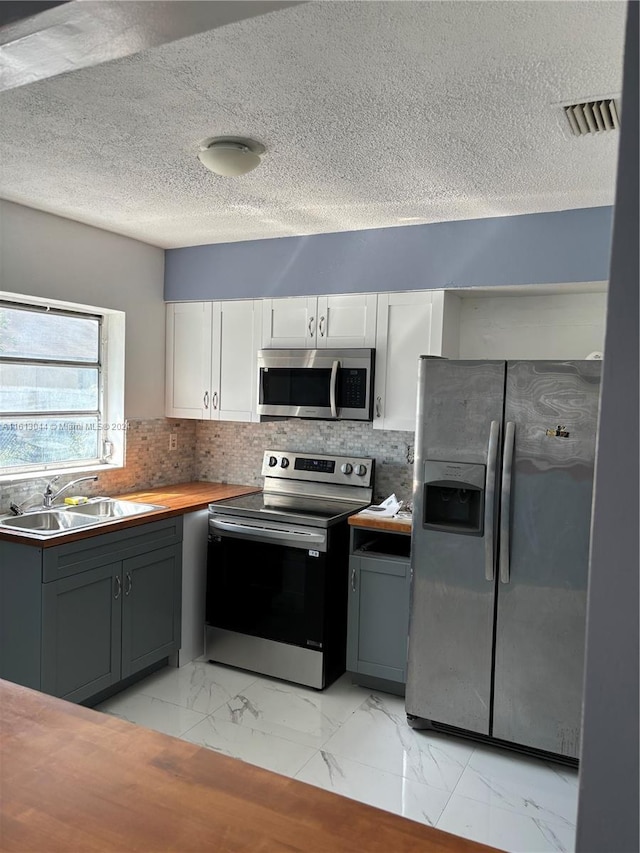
(502, 510)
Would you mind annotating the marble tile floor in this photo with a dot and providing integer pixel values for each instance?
(356, 742)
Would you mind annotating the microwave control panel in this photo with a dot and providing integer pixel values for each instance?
(353, 388)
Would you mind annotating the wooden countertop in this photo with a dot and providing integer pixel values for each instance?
(178, 499)
(74, 779)
(370, 522)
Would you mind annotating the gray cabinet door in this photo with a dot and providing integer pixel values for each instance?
(378, 623)
(81, 630)
(151, 610)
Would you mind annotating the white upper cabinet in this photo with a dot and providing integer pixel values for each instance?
(320, 322)
(234, 360)
(188, 369)
(289, 322)
(409, 325)
(212, 359)
(347, 321)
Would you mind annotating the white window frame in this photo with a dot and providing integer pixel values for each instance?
(114, 426)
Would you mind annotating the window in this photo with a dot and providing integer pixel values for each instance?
(57, 408)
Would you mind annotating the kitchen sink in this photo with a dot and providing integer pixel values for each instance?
(68, 519)
(50, 521)
(109, 508)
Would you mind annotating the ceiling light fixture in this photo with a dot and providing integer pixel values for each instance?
(230, 155)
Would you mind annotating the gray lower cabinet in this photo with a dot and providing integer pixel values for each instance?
(81, 633)
(378, 616)
(101, 608)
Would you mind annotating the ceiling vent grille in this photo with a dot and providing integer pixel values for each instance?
(591, 117)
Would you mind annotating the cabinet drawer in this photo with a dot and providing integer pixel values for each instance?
(82, 555)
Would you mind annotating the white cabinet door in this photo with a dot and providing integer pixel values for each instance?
(188, 365)
(323, 321)
(409, 325)
(346, 321)
(234, 363)
(289, 322)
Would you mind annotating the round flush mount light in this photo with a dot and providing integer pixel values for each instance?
(230, 155)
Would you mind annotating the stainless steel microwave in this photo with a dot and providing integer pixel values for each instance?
(331, 384)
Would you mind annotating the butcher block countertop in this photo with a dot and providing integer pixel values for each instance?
(370, 522)
(178, 499)
(187, 497)
(73, 779)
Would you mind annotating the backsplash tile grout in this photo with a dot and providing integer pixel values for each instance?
(231, 452)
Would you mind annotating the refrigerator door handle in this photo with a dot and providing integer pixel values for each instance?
(490, 501)
(505, 500)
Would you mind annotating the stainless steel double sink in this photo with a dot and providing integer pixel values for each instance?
(68, 519)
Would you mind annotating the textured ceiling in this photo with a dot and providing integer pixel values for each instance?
(373, 114)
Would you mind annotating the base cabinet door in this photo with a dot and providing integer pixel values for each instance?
(378, 622)
(81, 633)
(151, 608)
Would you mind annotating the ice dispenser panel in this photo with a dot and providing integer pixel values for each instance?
(453, 500)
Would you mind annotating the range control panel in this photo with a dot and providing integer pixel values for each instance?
(351, 470)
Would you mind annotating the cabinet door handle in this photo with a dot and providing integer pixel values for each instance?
(310, 326)
(214, 400)
(353, 579)
(128, 583)
(321, 326)
(118, 587)
(206, 399)
(378, 407)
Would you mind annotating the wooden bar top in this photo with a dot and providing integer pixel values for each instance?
(73, 779)
(178, 499)
(370, 522)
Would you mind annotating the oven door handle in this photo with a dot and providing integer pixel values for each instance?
(332, 388)
(302, 538)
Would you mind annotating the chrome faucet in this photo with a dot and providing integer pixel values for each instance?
(49, 497)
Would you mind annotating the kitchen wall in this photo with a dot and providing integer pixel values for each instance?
(48, 256)
(232, 452)
(536, 248)
(55, 258)
(609, 762)
(561, 325)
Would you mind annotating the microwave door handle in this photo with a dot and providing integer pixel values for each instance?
(332, 388)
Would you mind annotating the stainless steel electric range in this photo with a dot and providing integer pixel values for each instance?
(278, 566)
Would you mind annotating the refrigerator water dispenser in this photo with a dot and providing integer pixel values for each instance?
(453, 500)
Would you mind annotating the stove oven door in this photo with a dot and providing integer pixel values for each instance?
(267, 581)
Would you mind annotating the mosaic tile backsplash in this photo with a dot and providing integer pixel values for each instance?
(232, 453)
(148, 463)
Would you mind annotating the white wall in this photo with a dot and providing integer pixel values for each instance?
(45, 255)
(559, 326)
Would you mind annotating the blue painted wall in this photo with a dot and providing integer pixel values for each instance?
(537, 248)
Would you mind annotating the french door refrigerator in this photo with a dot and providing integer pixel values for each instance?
(502, 509)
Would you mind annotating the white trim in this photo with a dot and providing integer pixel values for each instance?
(112, 386)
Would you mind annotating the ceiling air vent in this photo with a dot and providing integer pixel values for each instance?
(591, 117)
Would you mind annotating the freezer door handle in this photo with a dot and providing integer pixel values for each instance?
(505, 500)
(490, 500)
